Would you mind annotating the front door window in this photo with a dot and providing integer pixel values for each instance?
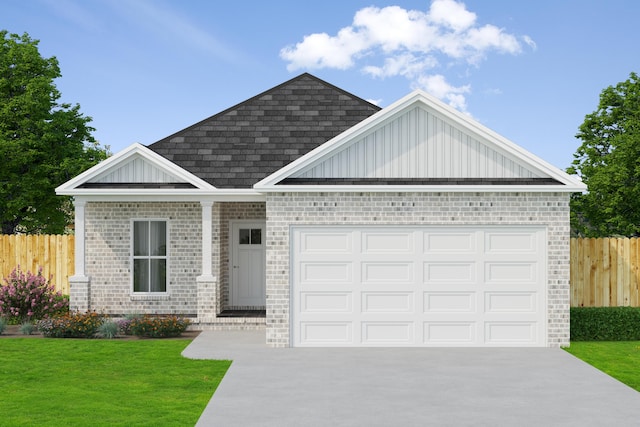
(250, 236)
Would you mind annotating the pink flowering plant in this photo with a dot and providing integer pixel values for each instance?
(26, 297)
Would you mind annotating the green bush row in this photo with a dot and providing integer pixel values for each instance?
(92, 325)
(158, 327)
(605, 323)
(71, 325)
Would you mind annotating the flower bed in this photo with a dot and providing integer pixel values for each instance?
(158, 327)
(72, 325)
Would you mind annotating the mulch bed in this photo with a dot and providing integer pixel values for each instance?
(13, 331)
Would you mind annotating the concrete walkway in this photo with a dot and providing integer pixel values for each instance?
(407, 387)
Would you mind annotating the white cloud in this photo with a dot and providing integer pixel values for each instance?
(405, 64)
(392, 41)
(529, 41)
(438, 86)
(323, 51)
(451, 14)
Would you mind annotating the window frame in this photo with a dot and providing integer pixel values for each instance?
(133, 257)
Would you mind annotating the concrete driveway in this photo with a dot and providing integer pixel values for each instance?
(407, 387)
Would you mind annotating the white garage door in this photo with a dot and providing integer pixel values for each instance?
(425, 286)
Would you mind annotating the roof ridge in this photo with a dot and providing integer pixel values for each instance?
(260, 95)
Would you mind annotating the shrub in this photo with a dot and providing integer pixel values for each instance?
(3, 325)
(605, 323)
(158, 327)
(27, 328)
(108, 329)
(71, 325)
(63, 302)
(125, 324)
(27, 297)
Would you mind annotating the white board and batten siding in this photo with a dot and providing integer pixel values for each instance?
(418, 286)
(137, 169)
(418, 144)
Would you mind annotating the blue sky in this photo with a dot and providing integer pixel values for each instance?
(144, 69)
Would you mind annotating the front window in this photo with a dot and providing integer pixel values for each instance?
(150, 256)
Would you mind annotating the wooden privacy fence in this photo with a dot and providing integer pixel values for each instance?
(54, 253)
(605, 272)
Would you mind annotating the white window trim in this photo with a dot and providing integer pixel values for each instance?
(167, 257)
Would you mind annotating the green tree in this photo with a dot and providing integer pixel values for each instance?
(43, 143)
(608, 161)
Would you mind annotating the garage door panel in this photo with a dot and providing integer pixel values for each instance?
(511, 272)
(326, 302)
(512, 333)
(319, 242)
(326, 333)
(449, 333)
(376, 333)
(387, 272)
(375, 242)
(387, 302)
(448, 272)
(448, 242)
(501, 242)
(326, 272)
(448, 302)
(511, 302)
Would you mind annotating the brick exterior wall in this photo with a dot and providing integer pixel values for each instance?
(108, 257)
(547, 209)
(108, 252)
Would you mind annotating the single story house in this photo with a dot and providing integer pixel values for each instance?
(327, 221)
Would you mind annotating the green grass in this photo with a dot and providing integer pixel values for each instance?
(619, 359)
(73, 382)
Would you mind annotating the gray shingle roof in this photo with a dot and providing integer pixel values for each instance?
(245, 143)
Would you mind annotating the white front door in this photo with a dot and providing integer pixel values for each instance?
(248, 264)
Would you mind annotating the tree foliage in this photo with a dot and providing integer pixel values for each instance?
(608, 161)
(43, 143)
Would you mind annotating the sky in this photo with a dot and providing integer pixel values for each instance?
(145, 69)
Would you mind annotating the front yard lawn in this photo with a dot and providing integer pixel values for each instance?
(74, 382)
(619, 359)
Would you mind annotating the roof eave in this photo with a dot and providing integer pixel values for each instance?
(146, 194)
(421, 189)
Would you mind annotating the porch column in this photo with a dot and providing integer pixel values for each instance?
(206, 282)
(79, 283)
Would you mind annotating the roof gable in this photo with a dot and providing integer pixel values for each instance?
(135, 167)
(419, 141)
(245, 143)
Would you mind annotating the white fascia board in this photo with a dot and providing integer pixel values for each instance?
(422, 189)
(69, 188)
(179, 196)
